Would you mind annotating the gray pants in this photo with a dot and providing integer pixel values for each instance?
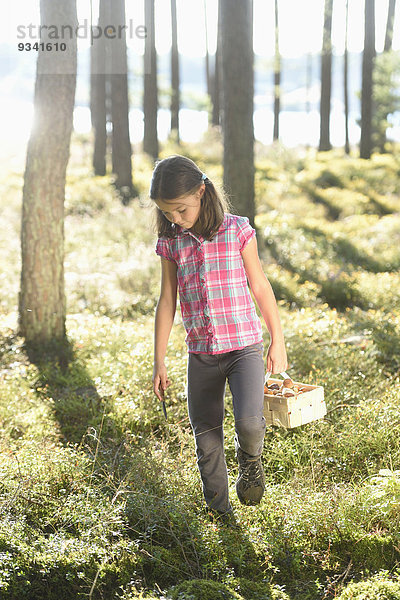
(207, 376)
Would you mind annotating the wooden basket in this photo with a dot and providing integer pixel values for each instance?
(296, 410)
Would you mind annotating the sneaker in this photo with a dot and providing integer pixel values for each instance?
(250, 484)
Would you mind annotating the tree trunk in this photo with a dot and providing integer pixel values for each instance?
(121, 144)
(98, 97)
(238, 84)
(216, 83)
(42, 304)
(326, 79)
(209, 73)
(208, 70)
(346, 83)
(277, 77)
(150, 95)
(175, 96)
(367, 81)
(389, 26)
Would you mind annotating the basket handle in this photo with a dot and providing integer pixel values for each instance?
(269, 373)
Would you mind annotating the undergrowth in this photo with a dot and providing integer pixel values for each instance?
(100, 496)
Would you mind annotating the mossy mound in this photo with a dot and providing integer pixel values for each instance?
(375, 588)
(242, 589)
(201, 589)
(261, 590)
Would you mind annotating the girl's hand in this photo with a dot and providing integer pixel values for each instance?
(160, 381)
(276, 357)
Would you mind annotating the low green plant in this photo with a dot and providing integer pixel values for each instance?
(382, 497)
(375, 588)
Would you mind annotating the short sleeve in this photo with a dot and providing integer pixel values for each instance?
(245, 232)
(163, 248)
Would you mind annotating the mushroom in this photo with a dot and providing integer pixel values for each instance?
(287, 392)
(274, 386)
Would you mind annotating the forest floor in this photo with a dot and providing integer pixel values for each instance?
(100, 497)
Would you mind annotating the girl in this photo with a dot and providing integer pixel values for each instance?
(207, 253)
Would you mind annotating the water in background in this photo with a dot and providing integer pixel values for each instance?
(296, 127)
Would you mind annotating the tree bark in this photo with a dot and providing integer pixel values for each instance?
(175, 93)
(389, 26)
(208, 70)
(210, 73)
(277, 77)
(326, 79)
(216, 82)
(121, 144)
(346, 83)
(150, 93)
(238, 86)
(98, 97)
(42, 304)
(367, 80)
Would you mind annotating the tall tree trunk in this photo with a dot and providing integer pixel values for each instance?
(367, 80)
(238, 86)
(326, 79)
(121, 144)
(208, 70)
(175, 95)
(216, 85)
(346, 83)
(389, 26)
(42, 305)
(277, 77)
(150, 93)
(98, 96)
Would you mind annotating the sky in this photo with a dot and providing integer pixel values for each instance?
(300, 24)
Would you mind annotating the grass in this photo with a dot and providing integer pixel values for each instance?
(100, 497)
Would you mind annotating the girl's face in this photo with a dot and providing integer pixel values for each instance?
(185, 210)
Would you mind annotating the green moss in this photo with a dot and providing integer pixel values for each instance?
(370, 553)
(251, 590)
(201, 589)
(240, 589)
(375, 588)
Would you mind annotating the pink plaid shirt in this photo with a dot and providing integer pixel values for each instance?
(217, 309)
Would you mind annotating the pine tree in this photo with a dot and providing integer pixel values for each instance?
(367, 80)
(42, 304)
(326, 79)
(238, 89)
(150, 92)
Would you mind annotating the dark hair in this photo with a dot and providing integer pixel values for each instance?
(178, 176)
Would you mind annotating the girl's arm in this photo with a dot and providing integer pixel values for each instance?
(264, 296)
(164, 319)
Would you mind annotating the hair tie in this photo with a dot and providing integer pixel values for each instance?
(204, 177)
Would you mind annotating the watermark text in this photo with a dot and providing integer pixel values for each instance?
(83, 31)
